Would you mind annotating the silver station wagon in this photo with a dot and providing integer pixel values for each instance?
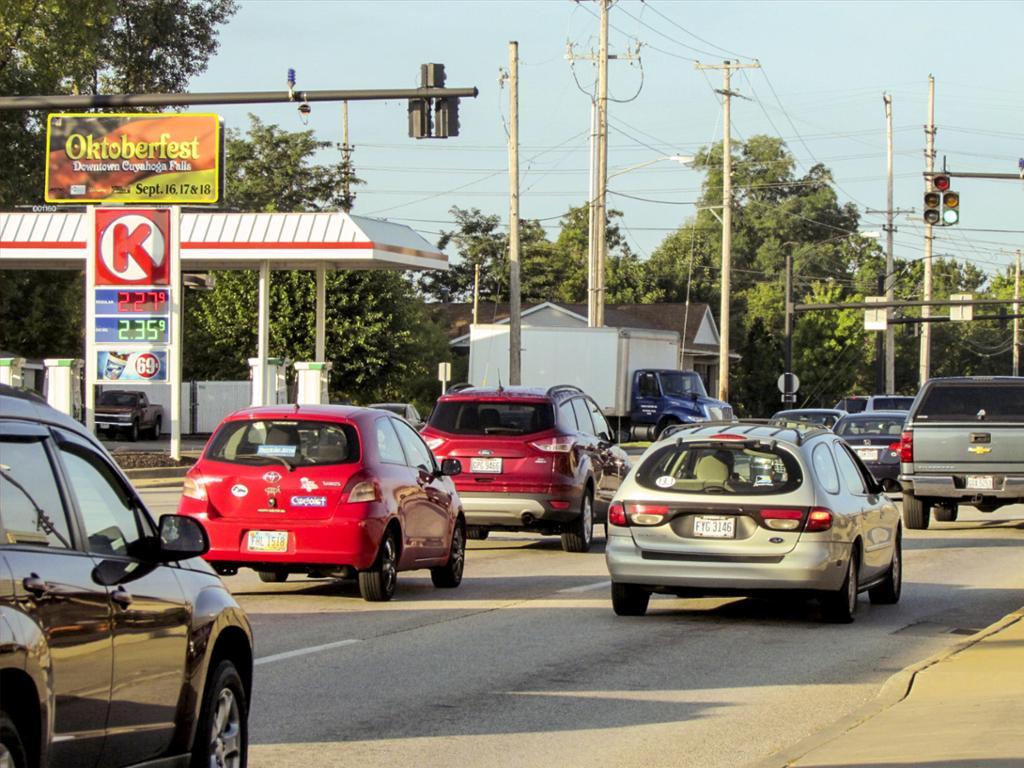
(753, 509)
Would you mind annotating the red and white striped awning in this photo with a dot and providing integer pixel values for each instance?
(218, 241)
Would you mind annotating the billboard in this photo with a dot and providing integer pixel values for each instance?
(128, 365)
(134, 158)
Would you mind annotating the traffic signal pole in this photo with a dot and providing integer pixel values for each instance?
(924, 369)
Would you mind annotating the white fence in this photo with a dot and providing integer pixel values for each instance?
(203, 403)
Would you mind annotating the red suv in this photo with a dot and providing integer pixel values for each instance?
(326, 491)
(539, 460)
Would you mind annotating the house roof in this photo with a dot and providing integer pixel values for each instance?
(662, 317)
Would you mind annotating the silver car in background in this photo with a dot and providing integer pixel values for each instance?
(753, 508)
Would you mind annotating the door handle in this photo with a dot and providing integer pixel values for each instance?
(121, 596)
(35, 585)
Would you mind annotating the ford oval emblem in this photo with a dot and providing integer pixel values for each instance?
(486, 452)
(776, 539)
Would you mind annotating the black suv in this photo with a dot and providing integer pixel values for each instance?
(118, 644)
(541, 460)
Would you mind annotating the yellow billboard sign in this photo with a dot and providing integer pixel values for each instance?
(133, 158)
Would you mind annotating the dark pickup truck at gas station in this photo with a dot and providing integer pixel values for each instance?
(129, 413)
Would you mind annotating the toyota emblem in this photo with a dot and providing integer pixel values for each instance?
(272, 477)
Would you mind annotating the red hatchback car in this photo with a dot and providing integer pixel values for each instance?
(327, 491)
(540, 460)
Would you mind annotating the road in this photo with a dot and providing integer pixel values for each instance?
(526, 665)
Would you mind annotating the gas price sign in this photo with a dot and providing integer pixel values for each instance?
(132, 316)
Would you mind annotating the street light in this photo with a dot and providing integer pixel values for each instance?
(596, 259)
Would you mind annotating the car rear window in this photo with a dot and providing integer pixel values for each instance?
(720, 469)
(892, 403)
(973, 402)
(892, 426)
(487, 417)
(118, 398)
(291, 442)
(852, 404)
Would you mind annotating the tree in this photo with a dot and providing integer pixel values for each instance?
(379, 335)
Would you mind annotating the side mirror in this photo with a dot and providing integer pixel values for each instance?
(451, 467)
(181, 538)
(693, 396)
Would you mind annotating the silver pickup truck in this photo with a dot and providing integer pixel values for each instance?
(963, 443)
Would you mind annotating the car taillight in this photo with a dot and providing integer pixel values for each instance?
(433, 443)
(361, 487)
(907, 446)
(617, 514)
(561, 444)
(819, 519)
(780, 519)
(648, 514)
(194, 488)
(895, 447)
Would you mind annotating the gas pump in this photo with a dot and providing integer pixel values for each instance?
(273, 390)
(312, 383)
(64, 385)
(11, 371)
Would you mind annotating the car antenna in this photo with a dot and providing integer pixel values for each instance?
(500, 389)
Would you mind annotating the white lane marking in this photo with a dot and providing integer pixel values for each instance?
(586, 587)
(303, 651)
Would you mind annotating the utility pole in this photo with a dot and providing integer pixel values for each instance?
(1016, 320)
(727, 94)
(929, 156)
(515, 310)
(600, 213)
(592, 222)
(346, 162)
(476, 294)
(890, 330)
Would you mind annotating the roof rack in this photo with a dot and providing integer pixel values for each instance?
(801, 429)
(563, 388)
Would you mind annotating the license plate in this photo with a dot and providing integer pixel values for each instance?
(477, 464)
(980, 482)
(714, 527)
(267, 541)
(868, 454)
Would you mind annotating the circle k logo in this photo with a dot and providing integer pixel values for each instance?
(132, 247)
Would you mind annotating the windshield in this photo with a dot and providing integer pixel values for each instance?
(682, 383)
(711, 467)
(293, 443)
(118, 398)
(488, 417)
(871, 427)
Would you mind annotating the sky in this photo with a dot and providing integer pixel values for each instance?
(824, 67)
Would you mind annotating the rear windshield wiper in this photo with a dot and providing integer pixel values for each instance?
(282, 459)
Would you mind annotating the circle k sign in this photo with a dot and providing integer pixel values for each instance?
(132, 246)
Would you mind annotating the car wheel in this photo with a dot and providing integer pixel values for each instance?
(155, 431)
(629, 599)
(133, 432)
(12, 751)
(888, 592)
(273, 577)
(477, 532)
(222, 731)
(915, 512)
(839, 606)
(449, 575)
(377, 585)
(581, 532)
(946, 513)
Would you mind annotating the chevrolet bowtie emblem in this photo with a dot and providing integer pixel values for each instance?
(979, 449)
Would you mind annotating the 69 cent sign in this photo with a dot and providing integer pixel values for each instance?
(132, 295)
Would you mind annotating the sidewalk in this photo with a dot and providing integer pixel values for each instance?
(964, 707)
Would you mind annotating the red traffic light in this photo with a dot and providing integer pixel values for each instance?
(941, 182)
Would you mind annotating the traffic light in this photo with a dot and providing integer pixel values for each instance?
(932, 205)
(446, 117)
(419, 119)
(950, 207)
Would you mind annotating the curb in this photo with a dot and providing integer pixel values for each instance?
(153, 473)
(893, 691)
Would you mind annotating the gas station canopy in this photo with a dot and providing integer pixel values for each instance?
(225, 241)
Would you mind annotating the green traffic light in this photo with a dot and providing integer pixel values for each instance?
(950, 216)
